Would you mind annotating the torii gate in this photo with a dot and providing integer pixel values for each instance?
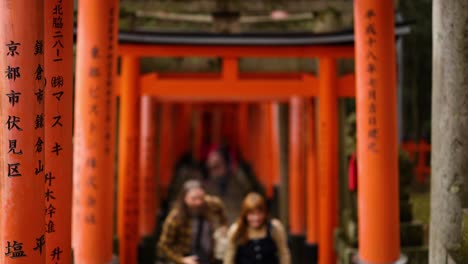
(231, 85)
(94, 125)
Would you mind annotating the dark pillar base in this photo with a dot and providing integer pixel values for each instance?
(311, 253)
(297, 243)
(146, 250)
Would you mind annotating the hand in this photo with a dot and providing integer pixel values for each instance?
(190, 260)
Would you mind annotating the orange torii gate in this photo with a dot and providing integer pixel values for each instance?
(95, 126)
(419, 153)
(231, 85)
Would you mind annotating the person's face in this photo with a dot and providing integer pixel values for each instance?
(256, 218)
(216, 165)
(195, 200)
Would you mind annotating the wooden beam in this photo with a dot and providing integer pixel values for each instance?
(202, 87)
(347, 86)
(220, 89)
(249, 89)
(236, 51)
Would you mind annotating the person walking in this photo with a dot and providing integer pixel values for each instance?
(187, 233)
(256, 238)
(227, 181)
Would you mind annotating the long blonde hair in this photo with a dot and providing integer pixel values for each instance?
(253, 201)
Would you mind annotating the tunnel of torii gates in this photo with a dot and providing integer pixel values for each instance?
(38, 148)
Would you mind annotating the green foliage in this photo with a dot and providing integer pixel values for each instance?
(421, 206)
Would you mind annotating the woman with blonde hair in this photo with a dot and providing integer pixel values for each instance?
(256, 238)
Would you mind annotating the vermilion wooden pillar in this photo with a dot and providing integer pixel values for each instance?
(166, 156)
(184, 122)
(377, 150)
(94, 153)
(267, 147)
(22, 113)
(216, 122)
(128, 158)
(174, 126)
(58, 62)
(297, 181)
(311, 181)
(259, 135)
(327, 158)
(243, 130)
(149, 194)
(147, 168)
(275, 144)
(296, 168)
(197, 144)
(229, 126)
(252, 125)
(255, 137)
(263, 149)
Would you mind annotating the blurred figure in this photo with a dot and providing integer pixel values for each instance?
(187, 235)
(226, 181)
(256, 238)
(185, 171)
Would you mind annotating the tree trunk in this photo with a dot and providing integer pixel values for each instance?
(449, 126)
